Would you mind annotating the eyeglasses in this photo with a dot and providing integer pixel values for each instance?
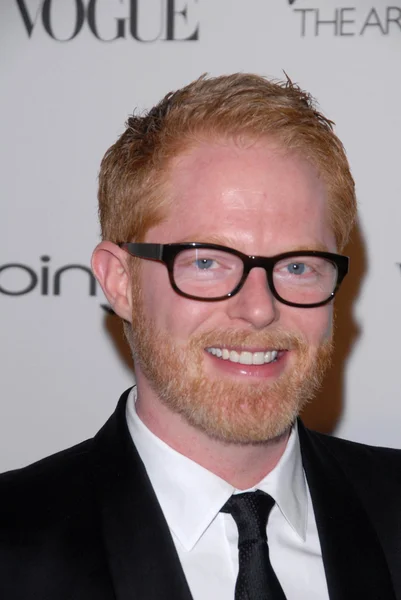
(210, 272)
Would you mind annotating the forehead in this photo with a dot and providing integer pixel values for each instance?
(245, 193)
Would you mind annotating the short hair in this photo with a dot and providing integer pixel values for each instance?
(239, 106)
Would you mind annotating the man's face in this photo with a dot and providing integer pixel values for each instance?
(260, 201)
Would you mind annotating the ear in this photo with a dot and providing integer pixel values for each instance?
(110, 266)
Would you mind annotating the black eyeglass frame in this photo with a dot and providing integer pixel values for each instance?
(166, 254)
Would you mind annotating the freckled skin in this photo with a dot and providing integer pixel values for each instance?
(255, 200)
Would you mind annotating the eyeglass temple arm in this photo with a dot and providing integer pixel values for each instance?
(151, 251)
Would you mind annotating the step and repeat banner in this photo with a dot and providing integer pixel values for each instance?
(71, 73)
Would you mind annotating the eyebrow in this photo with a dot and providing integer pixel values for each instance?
(317, 247)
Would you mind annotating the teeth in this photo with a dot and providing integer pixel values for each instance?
(245, 357)
(268, 356)
(234, 356)
(258, 358)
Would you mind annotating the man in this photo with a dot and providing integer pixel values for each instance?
(223, 211)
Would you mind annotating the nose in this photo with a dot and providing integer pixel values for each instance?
(255, 303)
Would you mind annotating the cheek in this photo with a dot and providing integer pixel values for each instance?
(317, 323)
(184, 318)
(168, 311)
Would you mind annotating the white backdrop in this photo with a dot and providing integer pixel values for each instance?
(63, 103)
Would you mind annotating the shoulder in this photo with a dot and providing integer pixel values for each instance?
(348, 447)
(47, 496)
(361, 462)
(49, 476)
(49, 528)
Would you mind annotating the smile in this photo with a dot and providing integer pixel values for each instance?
(245, 357)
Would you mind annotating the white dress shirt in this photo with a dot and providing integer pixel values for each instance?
(207, 540)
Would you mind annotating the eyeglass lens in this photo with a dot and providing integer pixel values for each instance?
(210, 273)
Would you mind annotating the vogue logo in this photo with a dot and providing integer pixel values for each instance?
(141, 20)
(348, 21)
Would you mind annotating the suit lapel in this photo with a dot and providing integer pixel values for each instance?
(352, 554)
(141, 553)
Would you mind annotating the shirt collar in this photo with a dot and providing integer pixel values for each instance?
(287, 485)
(191, 496)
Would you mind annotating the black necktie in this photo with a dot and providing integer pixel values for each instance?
(256, 579)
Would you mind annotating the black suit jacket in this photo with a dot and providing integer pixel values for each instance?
(85, 524)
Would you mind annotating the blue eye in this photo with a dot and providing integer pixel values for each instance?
(204, 263)
(296, 268)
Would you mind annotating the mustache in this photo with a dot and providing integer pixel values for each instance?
(277, 339)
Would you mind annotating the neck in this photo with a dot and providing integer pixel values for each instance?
(241, 465)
